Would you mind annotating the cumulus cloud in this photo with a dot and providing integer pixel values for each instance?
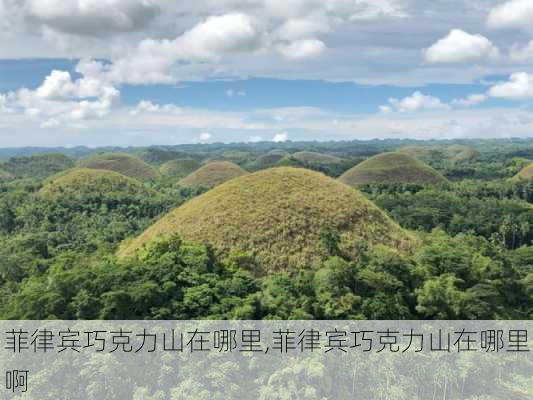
(93, 18)
(521, 54)
(302, 49)
(470, 100)
(461, 47)
(416, 102)
(205, 136)
(519, 86)
(280, 137)
(512, 14)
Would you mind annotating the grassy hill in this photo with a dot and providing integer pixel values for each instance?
(85, 182)
(459, 153)
(525, 174)
(212, 174)
(419, 152)
(281, 215)
(310, 157)
(4, 175)
(37, 166)
(122, 163)
(391, 168)
(269, 159)
(179, 168)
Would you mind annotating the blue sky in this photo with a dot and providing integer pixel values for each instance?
(141, 72)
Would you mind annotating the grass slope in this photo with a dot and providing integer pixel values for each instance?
(310, 157)
(179, 168)
(279, 214)
(122, 163)
(84, 182)
(391, 168)
(4, 175)
(525, 174)
(212, 174)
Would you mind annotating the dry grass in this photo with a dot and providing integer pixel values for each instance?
(212, 174)
(391, 168)
(525, 174)
(278, 214)
(122, 163)
(84, 182)
(179, 168)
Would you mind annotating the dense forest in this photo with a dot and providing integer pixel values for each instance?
(65, 215)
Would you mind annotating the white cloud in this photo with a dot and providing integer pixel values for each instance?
(93, 18)
(255, 139)
(280, 137)
(512, 14)
(461, 47)
(519, 86)
(302, 49)
(205, 136)
(416, 102)
(522, 54)
(233, 93)
(470, 100)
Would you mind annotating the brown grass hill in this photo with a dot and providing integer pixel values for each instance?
(122, 163)
(280, 216)
(85, 183)
(268, 160)
(459, 153)
(212, 174)
(179, 168)
(525, 175)
(419, 152)
(391, 168)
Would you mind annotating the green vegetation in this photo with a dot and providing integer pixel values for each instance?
(212, 174)
(391, 168)
(525, 174)
(5, 176)
(279, 215)
(37, 166)
(310, 157)
(122, 163)
(179, 168)
(279, 243)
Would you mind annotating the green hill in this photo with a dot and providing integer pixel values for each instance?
(122, 163)
(525, 174)
(83, 183)
(37, 166)
(269, 159)
(4, 175)
(212, 174)
(280, 215)
(419, 152)
(391, 168)
(310, 157)
(458, 153)
(179, 168)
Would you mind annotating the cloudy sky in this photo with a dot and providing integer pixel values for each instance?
(138, 72)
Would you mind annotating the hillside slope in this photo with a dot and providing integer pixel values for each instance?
(122, 163)
(391, 168)
(212, 174)
(280, 215)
